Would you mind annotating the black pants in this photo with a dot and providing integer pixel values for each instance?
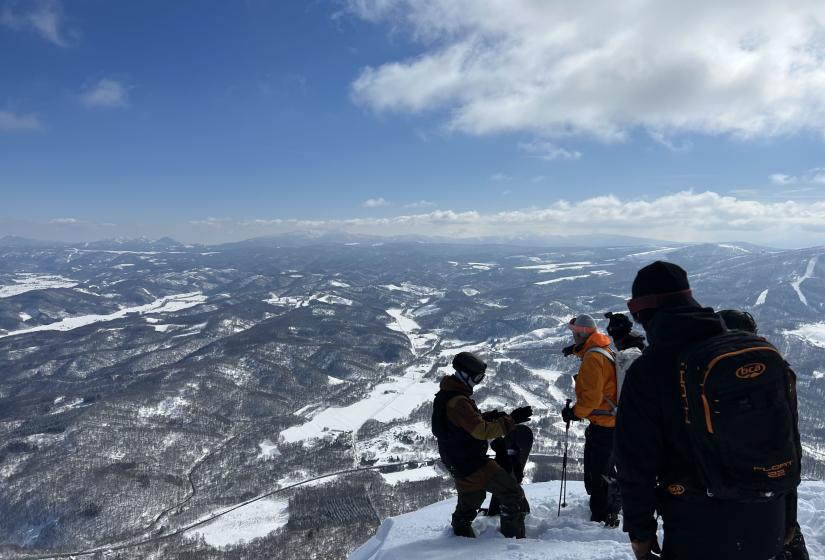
(598, 447)
(508, 492)
(714, 530)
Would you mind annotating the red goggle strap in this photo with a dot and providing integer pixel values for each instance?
(653, 300)
(580, 329)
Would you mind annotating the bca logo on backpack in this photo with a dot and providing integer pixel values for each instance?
(739, 408)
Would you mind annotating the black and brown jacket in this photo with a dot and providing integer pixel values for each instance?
(462, 430)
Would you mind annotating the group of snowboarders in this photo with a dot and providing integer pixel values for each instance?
(695, 422)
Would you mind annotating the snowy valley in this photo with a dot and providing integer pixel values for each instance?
(161, 400)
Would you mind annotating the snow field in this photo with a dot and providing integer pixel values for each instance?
(426, 533)
(30, 282)
(167, 304)
(562, 279)
(419, 341)
(556, 267)
(813, 333)
(268, 450)
(251, 521)
(388, 401)
(809, 273)
(410, 475)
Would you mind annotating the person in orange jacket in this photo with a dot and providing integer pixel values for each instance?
(596, 400)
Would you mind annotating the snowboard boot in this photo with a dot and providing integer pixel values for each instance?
(464, 531)
(611, 520)
(796, 549)
(512, 524)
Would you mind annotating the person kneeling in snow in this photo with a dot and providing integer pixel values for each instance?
(462, 432)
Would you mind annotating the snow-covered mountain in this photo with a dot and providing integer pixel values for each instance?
(426, 533)
(148, 388)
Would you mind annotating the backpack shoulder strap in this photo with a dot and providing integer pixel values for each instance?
(604, 352)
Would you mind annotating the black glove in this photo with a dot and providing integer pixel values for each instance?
(493, 415)
(568, 350)
(568, 415)
(522, 414)
(646, 550)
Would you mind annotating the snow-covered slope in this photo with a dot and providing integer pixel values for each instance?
(426, 533)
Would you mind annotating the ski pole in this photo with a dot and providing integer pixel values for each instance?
(563, 487)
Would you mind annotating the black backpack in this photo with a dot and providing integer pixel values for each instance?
(739, 408)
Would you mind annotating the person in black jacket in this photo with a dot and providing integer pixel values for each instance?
(652, 446)
(462, 432)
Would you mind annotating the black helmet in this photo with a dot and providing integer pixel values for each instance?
(619, 325)
(470, 365)
(737, 320)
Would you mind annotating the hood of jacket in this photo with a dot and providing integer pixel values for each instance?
(678, 326)
(596, 340)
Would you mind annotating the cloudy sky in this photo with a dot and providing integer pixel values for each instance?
(218, 121)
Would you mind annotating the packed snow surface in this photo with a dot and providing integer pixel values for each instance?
(426, 533)
(166, 304)
(252, 521)
(31, 282)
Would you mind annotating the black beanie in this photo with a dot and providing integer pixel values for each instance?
(619, 325)
(660, 277)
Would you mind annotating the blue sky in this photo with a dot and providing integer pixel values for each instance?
(215, 121)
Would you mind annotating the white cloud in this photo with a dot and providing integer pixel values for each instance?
(815, 175)
(782, 179)
(14, 122)
(683, 216)
(420, 204)
(547, 150)
(42, 16)
(669, 142)
(106, 93)
(747, 68)
(375, 203)
(500, 177)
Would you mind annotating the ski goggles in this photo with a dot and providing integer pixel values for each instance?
(654, 301)
(475, 378)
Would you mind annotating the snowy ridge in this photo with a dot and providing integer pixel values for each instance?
(426, 533)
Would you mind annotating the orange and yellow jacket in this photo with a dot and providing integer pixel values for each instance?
(595, 381)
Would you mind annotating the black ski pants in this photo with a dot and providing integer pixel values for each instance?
(598, 448)
(715, 530)
(503, 486)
